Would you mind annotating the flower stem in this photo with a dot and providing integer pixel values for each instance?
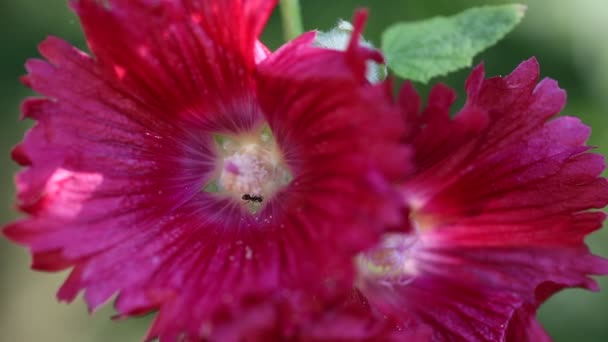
(291, 16)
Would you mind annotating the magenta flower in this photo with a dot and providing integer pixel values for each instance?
(500, 204)
(183, 167)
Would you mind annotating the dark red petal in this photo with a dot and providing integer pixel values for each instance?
(502, 199)
(183, 57)
(350, 133)
(526, 328)
(409, 102)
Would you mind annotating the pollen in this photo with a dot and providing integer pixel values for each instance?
(248, 171)
(389, 263)
(250, 166)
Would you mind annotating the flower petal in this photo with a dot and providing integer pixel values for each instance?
(501, 198)
(501, 201)
(123, 147)
(185, 58)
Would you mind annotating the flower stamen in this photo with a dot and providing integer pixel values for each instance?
(390, 263)
(251, 168)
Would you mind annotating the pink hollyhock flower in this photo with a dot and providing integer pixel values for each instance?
(500, 204)
(183, 167)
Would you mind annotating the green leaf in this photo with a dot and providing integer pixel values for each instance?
(424, 49)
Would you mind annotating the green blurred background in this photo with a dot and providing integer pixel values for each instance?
(568, 38)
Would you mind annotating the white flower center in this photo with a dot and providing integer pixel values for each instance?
(390, 263)
(251, 169)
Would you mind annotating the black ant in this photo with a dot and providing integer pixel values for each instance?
(254, 198)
